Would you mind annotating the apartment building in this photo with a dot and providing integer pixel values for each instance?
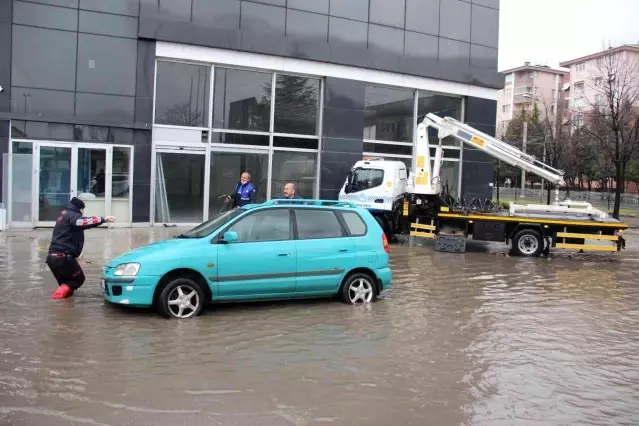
(524, 87)
(584, 91)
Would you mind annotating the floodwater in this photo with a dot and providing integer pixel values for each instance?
(473, 339)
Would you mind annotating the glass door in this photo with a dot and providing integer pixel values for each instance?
(54, 181)
(91, 179)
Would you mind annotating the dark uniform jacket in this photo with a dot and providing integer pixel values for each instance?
(68, 232)
(244, 194)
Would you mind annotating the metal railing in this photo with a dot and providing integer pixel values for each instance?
(598, 199)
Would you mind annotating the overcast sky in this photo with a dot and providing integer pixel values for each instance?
(550, 31)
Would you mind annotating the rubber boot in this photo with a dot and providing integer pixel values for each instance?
(62, 292)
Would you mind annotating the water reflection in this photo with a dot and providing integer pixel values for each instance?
(479, 338)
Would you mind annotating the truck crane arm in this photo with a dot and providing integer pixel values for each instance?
(448, 126)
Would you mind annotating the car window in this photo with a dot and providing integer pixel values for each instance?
(264, 225)
(313, 223)
(354, 223)
(361, 179)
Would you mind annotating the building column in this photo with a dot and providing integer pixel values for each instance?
(342, 133)
(477, 166)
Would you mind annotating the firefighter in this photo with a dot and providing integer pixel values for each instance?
(66, 246)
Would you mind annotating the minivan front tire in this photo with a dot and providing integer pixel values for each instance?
(182, 298)
(358, 288)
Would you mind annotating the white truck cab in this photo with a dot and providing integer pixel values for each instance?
(375, 184)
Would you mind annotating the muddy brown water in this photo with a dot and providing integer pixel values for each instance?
(472, 339)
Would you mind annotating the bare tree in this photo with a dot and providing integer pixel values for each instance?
(183, 115)
(613, 112)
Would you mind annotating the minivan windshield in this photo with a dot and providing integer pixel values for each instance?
(361, 178)
(207, 228)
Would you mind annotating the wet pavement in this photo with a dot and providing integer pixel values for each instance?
(473, 339)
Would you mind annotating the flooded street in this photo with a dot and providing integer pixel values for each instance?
(473, 339)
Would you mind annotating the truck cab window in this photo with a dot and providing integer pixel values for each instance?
(361, 179)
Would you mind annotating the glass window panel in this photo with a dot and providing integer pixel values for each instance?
(485, 26)
(270, 20)
(454, 53)
(301, 143)
(483, 57)
(21, 182)
(421, 46)
(388, 12)
(43, 58)
(354, 223)
(120, 190)
(182, 94)
(299, 168)
(91, 180)
(55, 182)
(107, 24)
(454, 20)
(442, 106)
(40, 15)
(385, 39)
(347, 31)
(63, 3)
(105, 107)
(317, 6)
(488, 3)
(266, 225)
(179, 10)
(41, 130)
(306, 25)
(240, 139)
(351, 9)
(423, 16)
(106, 65)
(452, 154)
(217, 13)
(382, 148)
(226, 169)
(315, 224)
(120, 7)
(388, 114)
(42, 102)
(275, 2)
(179, 190)
(296, 104)
(102, 134)
(242, 100)
(449, 176)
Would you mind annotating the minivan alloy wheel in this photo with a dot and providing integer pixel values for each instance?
(183, 301)
(360, 289)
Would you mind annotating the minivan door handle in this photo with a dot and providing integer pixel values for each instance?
(343, 250)
(282, 255)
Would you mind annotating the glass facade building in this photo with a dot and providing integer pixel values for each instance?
(150, 110)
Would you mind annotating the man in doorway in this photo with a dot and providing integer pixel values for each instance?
(245, 192)
(290, 192)
(66, 246)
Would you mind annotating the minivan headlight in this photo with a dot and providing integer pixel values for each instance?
(127, 270)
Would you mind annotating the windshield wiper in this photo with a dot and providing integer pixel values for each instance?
(185, 236)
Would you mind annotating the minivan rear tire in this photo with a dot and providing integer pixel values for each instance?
(358, 288)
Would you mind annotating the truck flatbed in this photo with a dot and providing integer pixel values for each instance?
(530, 235)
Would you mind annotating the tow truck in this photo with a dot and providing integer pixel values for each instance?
(414, 202)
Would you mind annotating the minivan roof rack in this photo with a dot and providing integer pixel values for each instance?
(309, 202)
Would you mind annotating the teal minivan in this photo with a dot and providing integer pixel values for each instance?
(282, 249)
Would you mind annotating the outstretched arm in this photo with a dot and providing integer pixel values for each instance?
(92, 221)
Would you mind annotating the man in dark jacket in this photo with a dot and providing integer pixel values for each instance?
(245, 192)
(66, 246)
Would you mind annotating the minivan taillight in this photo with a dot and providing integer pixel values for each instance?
(385, 243)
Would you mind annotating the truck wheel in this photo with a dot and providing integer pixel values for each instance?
(527, 243)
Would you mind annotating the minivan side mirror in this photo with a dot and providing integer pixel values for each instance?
(229, 237)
